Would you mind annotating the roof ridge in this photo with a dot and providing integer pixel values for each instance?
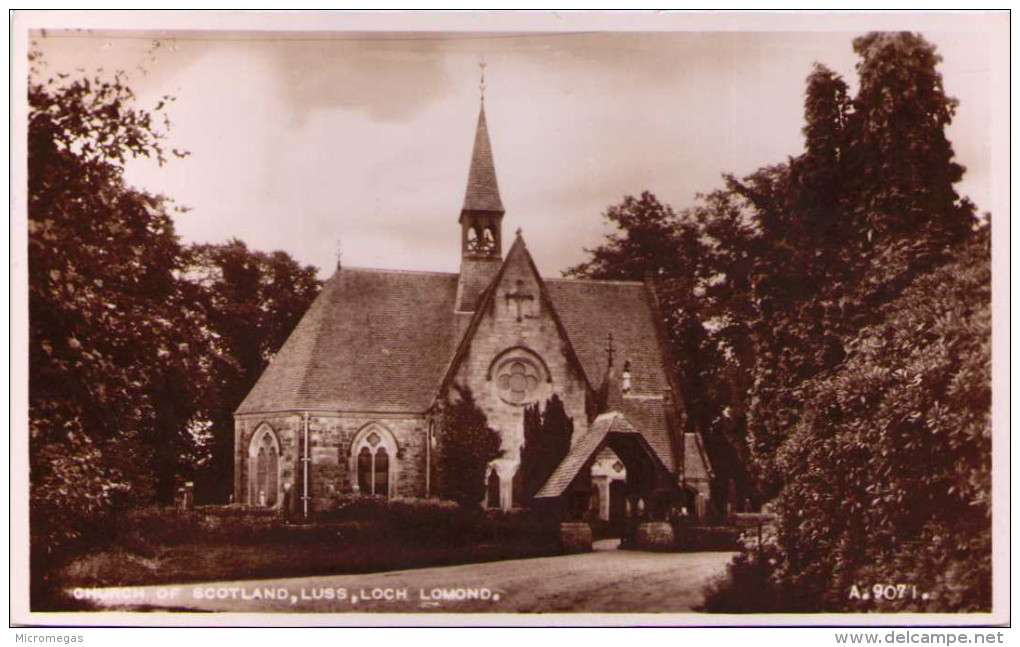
(384, 270)
(565, 279)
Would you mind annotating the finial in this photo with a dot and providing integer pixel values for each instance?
(339, 252)
(609, 347)
(518, 232)
(481, 83)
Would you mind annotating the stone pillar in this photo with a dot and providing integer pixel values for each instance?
(575, 537)
(655, 535)
(603, 485)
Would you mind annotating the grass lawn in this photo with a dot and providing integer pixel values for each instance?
(207, 562)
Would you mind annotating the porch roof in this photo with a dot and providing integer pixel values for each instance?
(585, 448)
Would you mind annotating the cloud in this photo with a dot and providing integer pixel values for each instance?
(298, 143)
(388, 80)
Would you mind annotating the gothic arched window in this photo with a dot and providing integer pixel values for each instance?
(481, 239)
(373, 450)
(365, 470)
(264, 468)
(382, 473)
(488, 243)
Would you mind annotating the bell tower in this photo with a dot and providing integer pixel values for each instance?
(481, 221)
(481, 217)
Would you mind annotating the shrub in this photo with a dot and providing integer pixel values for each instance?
(692, 539)
(466, 446)
(522, 525)
(547, 437)
(889, 471)
(746, 589)
(423, 521)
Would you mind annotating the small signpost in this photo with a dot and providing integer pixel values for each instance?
(754, 519)
(184, 497)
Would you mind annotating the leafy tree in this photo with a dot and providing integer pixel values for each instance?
(903, 162)
(846, 226)
(252, 300)
(889, 473)
(466, 445)
(699, 262)
(546, 443)
(871, 399)
(115, 342)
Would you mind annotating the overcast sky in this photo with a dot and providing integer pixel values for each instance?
(297, 143)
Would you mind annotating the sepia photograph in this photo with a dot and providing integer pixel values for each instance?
(493, 318)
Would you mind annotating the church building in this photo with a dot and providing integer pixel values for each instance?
(349, 403)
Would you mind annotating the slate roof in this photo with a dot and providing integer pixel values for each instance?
(482, 189)
(650, 417)
(590, 310)
(696, 464)
(381, 341)
(477, 275)
(373, 341)
(582, 450)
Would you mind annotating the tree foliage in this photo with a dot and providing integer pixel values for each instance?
(698, 261)
(135, 342)
(869, 411)
(888, 473)
(547, 436)
(832, 309)
(252, 300)
(846, 226)
(466, 444)
(112, 331)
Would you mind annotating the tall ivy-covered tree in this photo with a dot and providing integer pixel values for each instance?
(847, 225)
(253, 301)
(115, 340)
(547, 435)
(466, 444)
(870, 406)
(903, 163)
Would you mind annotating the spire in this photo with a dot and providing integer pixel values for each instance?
(481, 219)
(482, 191)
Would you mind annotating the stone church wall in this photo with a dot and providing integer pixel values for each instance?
(500, 336)
(331, 469)
(287, 428)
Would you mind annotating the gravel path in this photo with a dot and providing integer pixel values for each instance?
(602, 581)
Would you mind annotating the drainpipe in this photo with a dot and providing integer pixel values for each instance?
(305, 468)
(428, 459)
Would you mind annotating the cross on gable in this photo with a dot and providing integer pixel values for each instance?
(519, 296)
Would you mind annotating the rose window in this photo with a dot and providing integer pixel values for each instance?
(518, 381)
